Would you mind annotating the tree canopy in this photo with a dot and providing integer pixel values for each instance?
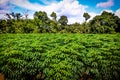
(15, 23)
(105, 23)
(86, 16)
(54, 15)
(63, 20)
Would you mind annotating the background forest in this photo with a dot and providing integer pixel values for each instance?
(14, 23)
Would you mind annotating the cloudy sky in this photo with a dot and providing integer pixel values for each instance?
(73, 9)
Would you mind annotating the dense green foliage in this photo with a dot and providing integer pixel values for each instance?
(54, 15)
(60, 56)
(86, 15)
(104, 23)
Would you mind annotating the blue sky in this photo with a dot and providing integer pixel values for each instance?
(73, 9)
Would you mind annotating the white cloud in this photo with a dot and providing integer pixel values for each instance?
(71, 8)
(75, 19)
(4, 8)
(4, 11)
(118, 12)
(26, 4)
(92, 15)
(3, 1)
(3, 16)
(107, 4)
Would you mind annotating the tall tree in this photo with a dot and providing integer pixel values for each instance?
(63, 20)
(8, 16)
(26, 14)
(86, 16)
(104, 23)
(41, 15)
(42, 21)
(15, 16)
(18, 16)
(54, 16)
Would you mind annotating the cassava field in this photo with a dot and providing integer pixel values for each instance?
(60, 56)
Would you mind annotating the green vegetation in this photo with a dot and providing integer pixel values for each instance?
(60, 56)
(55, 56)
(104, 23)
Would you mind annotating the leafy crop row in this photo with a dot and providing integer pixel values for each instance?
(60, 56)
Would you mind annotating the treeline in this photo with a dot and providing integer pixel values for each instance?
(14, 23)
